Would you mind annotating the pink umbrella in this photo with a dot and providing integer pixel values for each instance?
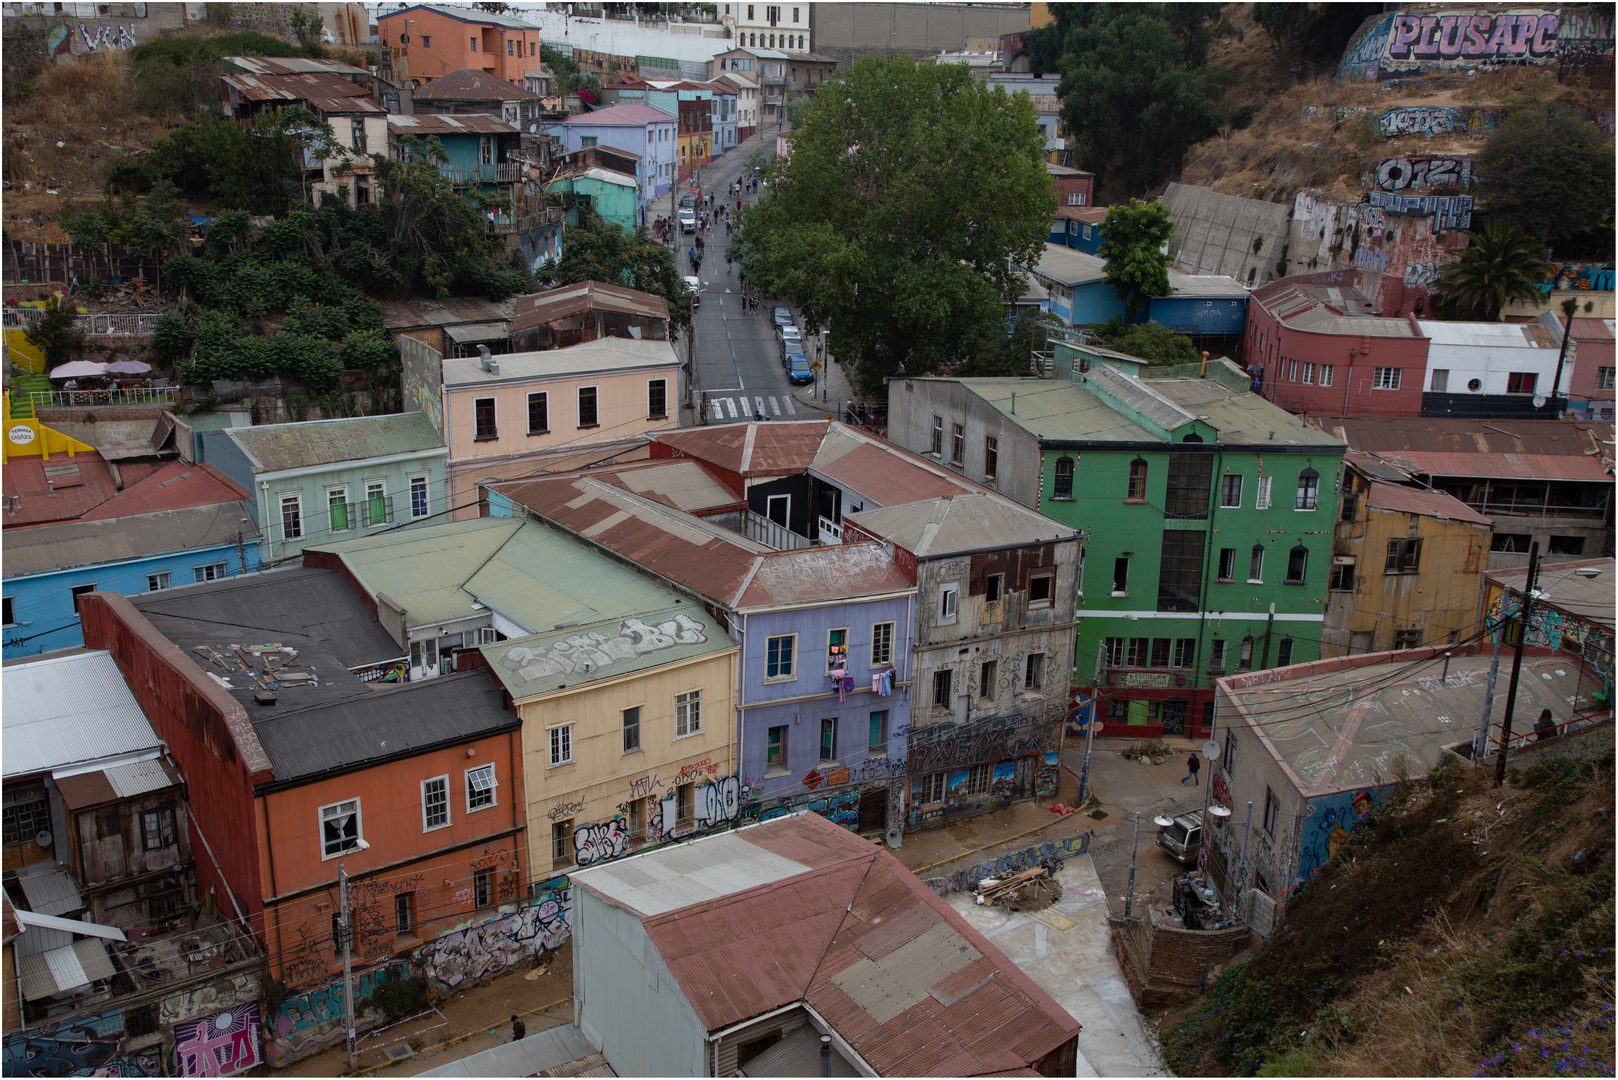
(128, 367)
(76, 368)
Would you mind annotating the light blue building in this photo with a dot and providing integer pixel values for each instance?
(724, 117)
(325, 480)
(180, 525)
(1203, 305)
(636, 127)
(1075, 286)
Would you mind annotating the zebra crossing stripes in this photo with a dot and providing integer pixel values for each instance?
(745, 407)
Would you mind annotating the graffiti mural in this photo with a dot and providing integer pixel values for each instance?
(483, 951)
(65, 40)
(994, 738)
(141, 1064)
(223, 1044)
(1327, 823)
(597, 842)
(594, 652)
(1413, 174)
(1400, 45)
(215, 997)
(1421, 273)
(313, 1020)
(1431, 120)
(1447, 211)
(1041, 854)
(65, 1047)
(1581, 277)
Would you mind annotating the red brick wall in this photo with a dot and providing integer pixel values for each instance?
(1354, 361)
(1164, 965)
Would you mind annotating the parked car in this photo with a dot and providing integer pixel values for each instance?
(788, 333)
(696, 289)
(789, 349)
(783, 315)
(1183, 838)
(798, 370)
(688, 220)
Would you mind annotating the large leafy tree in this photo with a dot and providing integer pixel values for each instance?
(1150, 341)
(910, 190)
(1499, 264)
(1132, 244)
(1135, 89)
(598, 250)
(1548, 172)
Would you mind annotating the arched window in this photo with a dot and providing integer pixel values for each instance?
(1297, 564)
(1255, 568)
(1063, 488)
(1137, 479)
(1308, 490)
(1192, 437)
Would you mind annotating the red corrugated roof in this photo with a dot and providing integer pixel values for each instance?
(173, 486)
(1413, 500)
(771, 449)
(884, 476)
(1521, 466)
(733, 960)
(33, 499)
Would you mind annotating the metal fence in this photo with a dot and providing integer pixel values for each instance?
(135, 395)
(118, 325)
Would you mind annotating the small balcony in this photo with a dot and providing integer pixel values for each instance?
(776, 80)
(504, 172)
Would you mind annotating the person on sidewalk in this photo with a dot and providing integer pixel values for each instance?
(1195, 766)
(518, 1028)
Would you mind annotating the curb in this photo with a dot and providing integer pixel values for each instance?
(460, 1038)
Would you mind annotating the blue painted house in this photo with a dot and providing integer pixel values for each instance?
(636, 127)
(1202, 305)
(1079, 227)
(177, 525)
(477, 145)
(1075, 286)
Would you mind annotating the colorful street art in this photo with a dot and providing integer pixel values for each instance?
(1551, 629)
(75, 1046)
(223, 1044)
(1413, 174)
(598, 842)
(841, 809)
(1447, 211)
(1026, 859)
(1580, 277)
(1400, 45)
(483, 951)
(309, 1022)
(1431, 120)
(64, 40)
(1327, 823)
(597, 653)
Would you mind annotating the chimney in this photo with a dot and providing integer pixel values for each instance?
(825, 1055)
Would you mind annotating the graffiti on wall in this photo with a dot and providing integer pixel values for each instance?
(1578, 276)
(64, 1048)
(194, 1001)
(594, 652)
(483, 951)
(1413, 174)
(1039, 855)
(1430, 120)
(311, 1021)
(1327, 823)
(979, 788)
(1399, 44)
(65, 40)
(1421, 273)
(936, 747)
(598, 842)
(223, 1044)
(1550, 629)
(1447, 211)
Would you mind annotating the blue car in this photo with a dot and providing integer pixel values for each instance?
(798, 371)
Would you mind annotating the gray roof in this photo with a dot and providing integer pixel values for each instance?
(465, 14)
(1220, 286)
(675, 877)
(1321, 321)
(608, 354)
(278, 447)
(70, 710)
(80, 543)
(1135, 394)
(1070, 266)
(1241, 418)
(957, 524)
(371, 724)
(1558, 586)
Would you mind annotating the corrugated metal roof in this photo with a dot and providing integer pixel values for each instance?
(797, 1055)
(293, 65)
(274, 447)
(1593, 330)
(1505, 466)
(469, 84)
(820, 574)
(610, 648)
(139, 777)
(1146, 399)
(681, 483)
(1395, 436)
(35, 498)
(70, 709)
(882, 472)
(70, 967)
(1588, 598)
(537, 309)
(1070, 266)
(1241, 418)
(606, 354)
(1289, 295)
(43, 548)
(68, 926)
(332, 92)
(629, 114)
(1489, 334)
(675, 877)
(476, 332)
(1217, 286)
(779, 448)
(1085, 215)
(53, 893)
(475, 16)
(558, 1051)
(1058, 410)
(959, 524)
(423, 123)
(455, 311)
(1413, 500)
(1323, 321)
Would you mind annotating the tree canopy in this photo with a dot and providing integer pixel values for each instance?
(1550, 173)
(598, 250)
(1152, 342)
(1132, 244)
(1135, 89)
(909, 190)
(1500, 264)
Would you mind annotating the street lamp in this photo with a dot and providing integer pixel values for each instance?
(346, 923)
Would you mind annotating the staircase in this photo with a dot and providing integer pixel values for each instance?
(23, 385)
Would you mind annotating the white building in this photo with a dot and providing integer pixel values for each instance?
(1466, 361)
(746, 102)
(769, 26)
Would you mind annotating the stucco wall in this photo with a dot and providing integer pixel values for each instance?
(912, 404)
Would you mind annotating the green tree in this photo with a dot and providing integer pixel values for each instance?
(1135, 91)
(909, 192)
(1152, 342)
(56, 335)
(1132, 245)
(434, 231)
(1312, 33)
(598, 250)
(1548, 172)
(1500, 264)
(997, 354)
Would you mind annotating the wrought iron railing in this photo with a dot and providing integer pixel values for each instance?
(135, 395)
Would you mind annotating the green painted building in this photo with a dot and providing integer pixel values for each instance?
(1208, 514)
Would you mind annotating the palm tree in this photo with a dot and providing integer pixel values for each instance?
(1500, 264)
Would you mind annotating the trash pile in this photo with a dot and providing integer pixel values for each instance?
(1030, 890)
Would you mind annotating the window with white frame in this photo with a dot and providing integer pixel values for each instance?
(561, 744)
(929, 789)
(948, 601)
(1308, 490)
(418, 496)
(882, 643)
(337, 508)
(1326, 374)
(1308, 374)
(480, 787)
(209, 571)
(154, 582)
(1387, 378)
(688, 714)
(376, 502)
(435, 803)
(779, 657)
(292, 517)
(339, 828)
(1263, 500)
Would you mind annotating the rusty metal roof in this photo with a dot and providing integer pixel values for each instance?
(1515, 466)
(469, 84)
(1415, 500)
(538, 309)
(826, 573)
(1397, 438)
(293, 65)
(882, 472)
(1592, 329)
(329, 92)
(450, 124)
(681, 484)
(960, 524)
(455, 311)
(893, 969)
(781, 448)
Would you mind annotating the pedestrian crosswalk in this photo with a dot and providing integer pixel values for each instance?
(744, 407)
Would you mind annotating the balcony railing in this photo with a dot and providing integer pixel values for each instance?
(91, 325)
(776, 80)
(504, 172)
(135, 395)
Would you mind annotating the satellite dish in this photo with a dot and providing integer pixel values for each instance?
(1210, 750)
(1218, 811)
(44, 838)
(1162, 822)
(1539, 401)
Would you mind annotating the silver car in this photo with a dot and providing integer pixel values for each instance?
(1183, 838)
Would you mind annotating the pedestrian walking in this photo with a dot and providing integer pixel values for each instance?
(518, 1028)
(738, 204)
(1195, 774)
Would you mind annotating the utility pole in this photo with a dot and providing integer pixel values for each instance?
(1480, 742)
(1241, 866)
(1129, 897)
(1568, 308)
(1269, 628)
(346, 928)
(1516, 661)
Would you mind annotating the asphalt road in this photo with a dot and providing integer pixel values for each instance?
(738, 370)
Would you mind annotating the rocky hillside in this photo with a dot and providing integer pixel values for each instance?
(1463, 930)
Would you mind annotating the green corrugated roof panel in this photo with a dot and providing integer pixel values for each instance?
(605, 649)
(1058, 410)
(326, 442)
(528, 573)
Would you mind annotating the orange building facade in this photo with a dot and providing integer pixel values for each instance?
(427, 42)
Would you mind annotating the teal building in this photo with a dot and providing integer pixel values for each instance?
(1207, 515)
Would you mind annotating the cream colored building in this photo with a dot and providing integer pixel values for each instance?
(769, 26)
(628, 729)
